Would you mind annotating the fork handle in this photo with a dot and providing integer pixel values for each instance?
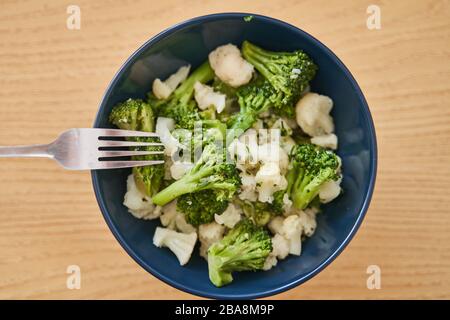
(35, 150)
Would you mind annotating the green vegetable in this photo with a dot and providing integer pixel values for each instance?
(258, 212)
(245, 247)
(180, 105)
(288, 72)
(138, 115)
(248, 18)
(209, 172)
(312, 166)
(254, 99)
(200, 207)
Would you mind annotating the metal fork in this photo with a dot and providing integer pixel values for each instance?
(82, 149)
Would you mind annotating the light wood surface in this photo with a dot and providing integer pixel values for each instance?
(52, 78)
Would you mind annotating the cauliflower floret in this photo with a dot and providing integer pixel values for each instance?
(169, 213)
(276, 225)
(269, 180)
(179, 168)
(280, 250)
(138, 204)
(229, 217)
(229, 66)
(248, 187)
(287, 203)
(280, 246)
(308, 221)
(206, 97)
(172, 219)
(330, 190)
(182, 225)
(163, 128)
(327, 141)
(245, 150)
(291, 229)
(287, 143)
(271, 261)
(312, 114)
(209, 234)
(180, 244)
(163, 89)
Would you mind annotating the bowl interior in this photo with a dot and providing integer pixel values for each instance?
(190, 43)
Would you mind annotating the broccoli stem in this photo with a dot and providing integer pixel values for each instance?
(204, 73)
(188, 183)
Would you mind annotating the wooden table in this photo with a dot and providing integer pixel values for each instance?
(52, 78)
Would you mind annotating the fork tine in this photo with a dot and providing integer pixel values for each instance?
(127, 153)
(125, 164)
(117, 143)
(124, 133)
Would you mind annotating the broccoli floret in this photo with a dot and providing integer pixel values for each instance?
(200, 207)
(180, 105)
(244, 248)
(133, 114)
(259, 212)
(138, 115)
(209, 172)
(288, 72)
(254, 99)
(312, 166)
(211, 131)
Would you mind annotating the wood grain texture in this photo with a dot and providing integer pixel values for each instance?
(52, 79)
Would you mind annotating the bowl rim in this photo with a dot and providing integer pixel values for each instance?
(373, 165)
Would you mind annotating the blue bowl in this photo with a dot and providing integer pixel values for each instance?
(190, 42)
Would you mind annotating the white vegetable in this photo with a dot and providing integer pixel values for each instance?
(292, 230)
(229, 66)
(163, 89)
(276, 225)
(169, 213)
(209, 234)
(280, 246)
(329, 190)
(312, 114)
(206, 97)
(178, 169)
(163, 128)
(308, 221)
(180, 244)
(329, 141)
(248, 187)
(269, 180)
(172, 219)
(229, 217)
(138, 204)
(271, 261)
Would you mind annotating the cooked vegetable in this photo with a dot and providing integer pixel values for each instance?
(312, 166)
(313, 114)
(181, 244)
(227, 178)
(138, 115)
(180, 105)
(210, 172)
(288, 72)
(163, 89)
(245, 247)
(258, 212)
(229, 66)
(201, 206)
